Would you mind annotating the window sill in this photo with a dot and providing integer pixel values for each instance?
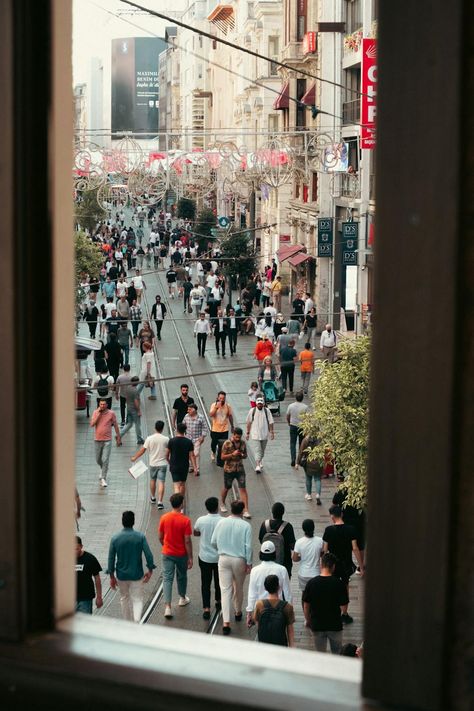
(102, 657)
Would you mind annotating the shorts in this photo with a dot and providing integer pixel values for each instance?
(159, 472)
(179, 476)
(230, 476)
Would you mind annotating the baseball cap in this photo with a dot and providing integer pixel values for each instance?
(260, 399)
(267, 547)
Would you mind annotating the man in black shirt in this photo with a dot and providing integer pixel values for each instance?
(323, 600)
(171, 278)
(87, 573)
(340, 539)
(180, 455)
(275, 524)
(298, 308)
(180, 406)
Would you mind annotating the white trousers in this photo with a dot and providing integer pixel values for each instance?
(131, 599)
(231, 581)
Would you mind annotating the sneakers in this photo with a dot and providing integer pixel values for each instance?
(318, 501)
(152, 500)
(152, 397)
(159, 505)
(226, 631)
(213, 457)
(168, 613)
(103, 483)
(140, 441)
(183, 601)
(258, 469)
(218, 605)
(347, 619)
(308, 497)
(206, 615)
(238, 617)
(247, 515)
(224, 508)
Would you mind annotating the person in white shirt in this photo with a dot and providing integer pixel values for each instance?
(270, 311)
(259, 426)
(211, 281)
(121, 287)
(308, 304)
(139, 285)
(328, 343)
(266, 292)
(202, 329)
(196, 299)
(156, 445)
(200, 272)
(208, 556)
(308, 551)
(268, 566)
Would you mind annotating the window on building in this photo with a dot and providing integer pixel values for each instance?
(273, 123)
(301, 18)
(353, 15)
(287, 21)
(250, 11)
(273, 50)
(300, 108)
(305, 193)
(353, 152)
(351, 102)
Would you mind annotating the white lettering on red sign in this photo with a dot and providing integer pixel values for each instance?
(368, 103)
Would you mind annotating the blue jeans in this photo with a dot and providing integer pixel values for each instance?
(309, 482)
(84, 606)
(295, 435)
(152, 389)
(132, 419)
(170, 563)
(125, 354)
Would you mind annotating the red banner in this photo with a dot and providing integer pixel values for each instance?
(368, 103)
(309, 43)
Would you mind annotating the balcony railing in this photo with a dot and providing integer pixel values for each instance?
(351, 112)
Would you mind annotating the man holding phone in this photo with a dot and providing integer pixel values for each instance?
(222, 420)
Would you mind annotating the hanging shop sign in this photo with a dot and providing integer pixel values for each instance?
(309, 43)
(368, 102)
(325, 240)
(350, 239)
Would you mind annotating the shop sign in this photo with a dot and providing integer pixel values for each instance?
(325, 240)
(368, 102)
(350, 240)
(309, 43)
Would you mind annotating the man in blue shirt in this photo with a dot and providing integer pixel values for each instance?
(125, 567)
(208, 556)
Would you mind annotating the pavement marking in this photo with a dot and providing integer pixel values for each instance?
(171, 358)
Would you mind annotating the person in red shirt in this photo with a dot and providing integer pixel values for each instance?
(175, 533)
(263, 348)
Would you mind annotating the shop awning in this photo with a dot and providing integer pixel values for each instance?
(299, 259)
(287, 251)
(309, 98)
(283, 99)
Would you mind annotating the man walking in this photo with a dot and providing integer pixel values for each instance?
(274, 617)
(135, 318)
(276, 293)
(125, 567)
(259, 426)
(324, 598)
(288, 355)
(158, 313)
(220, 331)
(277, 525)
(222, 420)
(156, 445)
(293, 415)
(208, 557)
(125, 341)
(180, 406)
(306, 359)
(87, 574)
(103, 420)
(175, 533)
(91, 315)
(123, 381)
(180, 455)
(202, 329)
(268, 566)
(171, 278)
(133, 410)
(232, 538)
(340, 539)
(233, 452)
(196, 431)
(328, 343)
(233, 326)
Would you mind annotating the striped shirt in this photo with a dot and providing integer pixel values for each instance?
(195, 427)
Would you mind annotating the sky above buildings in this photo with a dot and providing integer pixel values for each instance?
(97, 22)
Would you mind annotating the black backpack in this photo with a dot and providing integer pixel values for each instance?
(102, 387)
(276, 537)
(272, 624)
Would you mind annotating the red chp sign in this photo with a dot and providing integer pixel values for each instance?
(309, 43)
(368, 104)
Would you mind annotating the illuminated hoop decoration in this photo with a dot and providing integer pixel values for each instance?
(318, 152)
(274, 162)
(146, 188)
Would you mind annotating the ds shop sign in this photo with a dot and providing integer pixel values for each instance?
(350, 239)
(325, 241)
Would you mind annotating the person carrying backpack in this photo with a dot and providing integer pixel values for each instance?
(283, 530)
(274, 617)
(105, 386)
(258, 575)
(259, 427)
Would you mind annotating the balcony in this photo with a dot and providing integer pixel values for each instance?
(350, 112)
(293, 52)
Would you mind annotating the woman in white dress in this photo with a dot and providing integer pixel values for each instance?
(148, 372)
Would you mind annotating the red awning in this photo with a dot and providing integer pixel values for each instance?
(299, 259)
(287, 251)
(309, 98)
(283, 99)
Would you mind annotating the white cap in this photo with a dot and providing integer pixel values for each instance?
(267, 547)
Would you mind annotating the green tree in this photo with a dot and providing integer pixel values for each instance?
(339, 416)
(239, 249)
(206, 221)
(88, 212)
(88, 260)
(186, 209)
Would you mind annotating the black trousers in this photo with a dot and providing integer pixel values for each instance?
(287, 372)
(221, 339)
(201, 339)
(208, 571)
(123, 405)
(159, 326)
(233, 339)
(215, 437)
(92, 328)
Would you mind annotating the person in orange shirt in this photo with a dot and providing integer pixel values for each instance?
(263, 348)
(306, 359)
(175, 533)
(276, 293)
